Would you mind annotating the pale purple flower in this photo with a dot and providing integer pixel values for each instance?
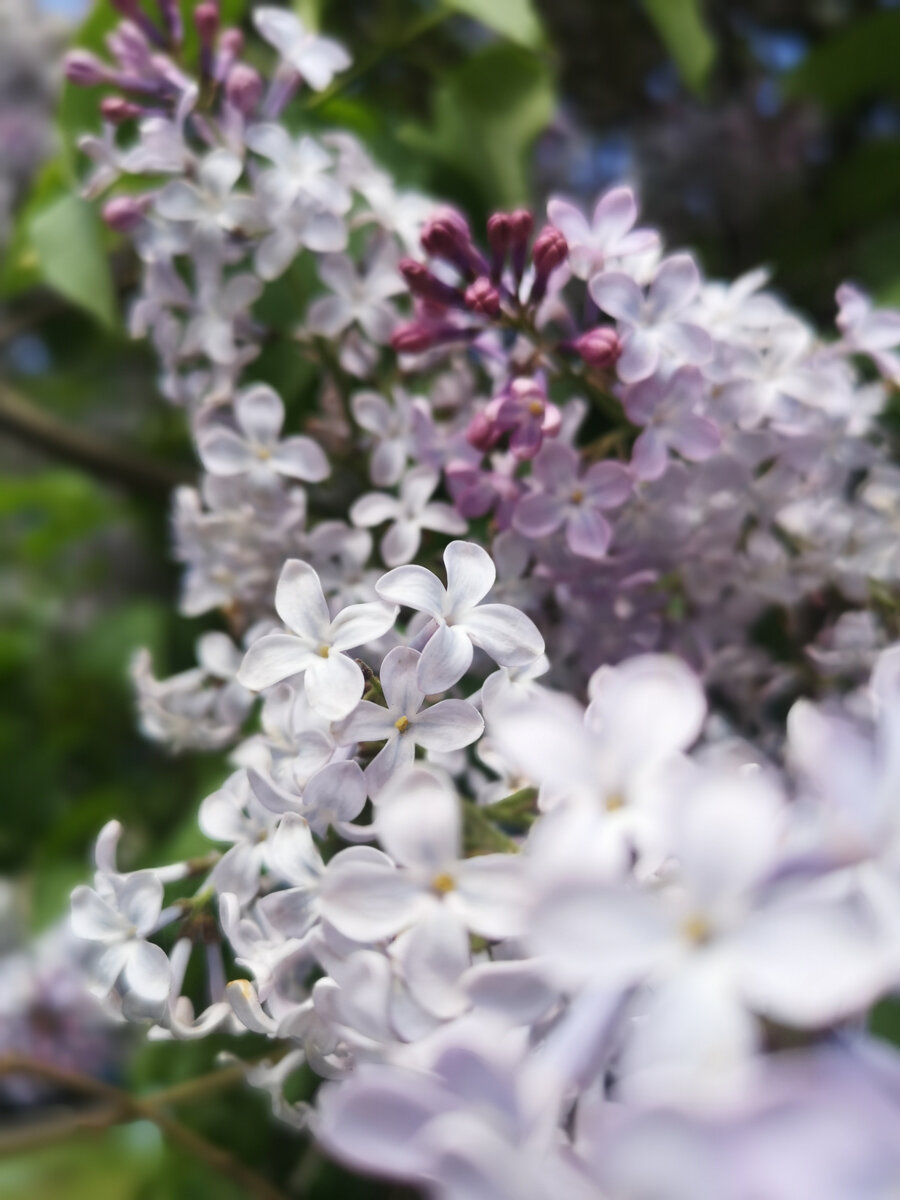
(255, 449)
(390, 425)
(302, 169)
(357, 296)
(302, 225)
(404, 724)
(461, 621)
(210, 206)
(409, 514)
(670, 414)
(419, 825)
(316, 59)
(564, 496)
(871, 331)
(654, 327)
(603, 242)
(313, 648)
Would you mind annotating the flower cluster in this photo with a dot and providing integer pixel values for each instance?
(519, 858)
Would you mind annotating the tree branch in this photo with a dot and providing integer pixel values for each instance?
(118, 1106)
(118, 465)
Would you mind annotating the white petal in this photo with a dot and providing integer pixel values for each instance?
(489, 895)
(373, 508)
(398, 680)
(368, 901)
(470, 575)
(505, 633)
(413, 587)
(333, 685)
(617, 295)
(224, 452)
(358, 624)
(446, 657)
(272, 658)
(94, 919)
(401, 543)
(260, 413)
(432, 956)
(419, 822)
(448, 725)
(301, 458)
(300, 601)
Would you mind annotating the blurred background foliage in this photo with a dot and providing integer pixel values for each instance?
(755, 130)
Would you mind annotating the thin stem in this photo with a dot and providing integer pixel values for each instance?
(119, 1106)
(107, 460)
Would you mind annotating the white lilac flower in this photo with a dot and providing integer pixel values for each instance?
(314, 647)
(210, 206)
(870, 331)
(656, 327)
(302, 169)
(390, 424)
(255, 449)
(119, 913)
(404, 724)
(409, 514)
(316, 59)
(460, 620)
(602, 243)
(332, 796)
(419, 825)
(361, 297)
(302, 225)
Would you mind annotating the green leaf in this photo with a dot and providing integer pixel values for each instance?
(514, 19)
(67, 239)
(487, 114)
(859, 61)
(681, 26)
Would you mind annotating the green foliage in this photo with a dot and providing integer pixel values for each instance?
(487, 113)
(514, 19)
(67, 238)
(681, 26)
(859, 61)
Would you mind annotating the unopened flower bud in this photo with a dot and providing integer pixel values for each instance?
(244, 88)
(171, 15)
(413, 338)
(124, 213)
(231, 42)
(499, 233)
(482, 297)
(600, 348)
(115, 109)
(86, 70)
(447, 236)
(550, 251)
(206, 19)
(132, 10)
(521, 224)
(426, 286)
(482, 433)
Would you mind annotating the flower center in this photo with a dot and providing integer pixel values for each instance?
(442, 884)
(614, 802)
(324, 651)
(696, 929)
(577, 496)
(402, 724)
(536, 408)
(263, 452)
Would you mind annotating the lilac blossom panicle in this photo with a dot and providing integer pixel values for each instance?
(517, 850)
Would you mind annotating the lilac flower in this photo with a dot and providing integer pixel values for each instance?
(564, 496)
(302, 169)
(209, 205)
(459, 619)
(870, 331)
(522, 410)
(670, 414)
(657, 325)
(256, 451)
(405, 724)
(391, 427)
(410, 514)
(313, 648)
(420, 827)
(357, 296)
(316, 59)
(602, 243)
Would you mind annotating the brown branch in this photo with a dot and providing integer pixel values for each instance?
(119, 1106)
(107, 460)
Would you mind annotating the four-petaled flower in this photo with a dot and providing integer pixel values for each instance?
(410, 514)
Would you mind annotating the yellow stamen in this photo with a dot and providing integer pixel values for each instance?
(442, 884)
(402, 723)
(614, 802)
(577, 496)
(696, 929)
(324, 651)
(536, 408)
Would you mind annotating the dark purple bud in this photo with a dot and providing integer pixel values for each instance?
(600, 347)
(413, 338)
(232, 42)
(447, 236)
(521, 224)
(132, 10)
(171, 17)
(244, 88)
(499, 232)
(550, 251)
(115, 109)
(426, 286)
(206, 19)
(482, 297)
(86, 70)
(125, 213)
